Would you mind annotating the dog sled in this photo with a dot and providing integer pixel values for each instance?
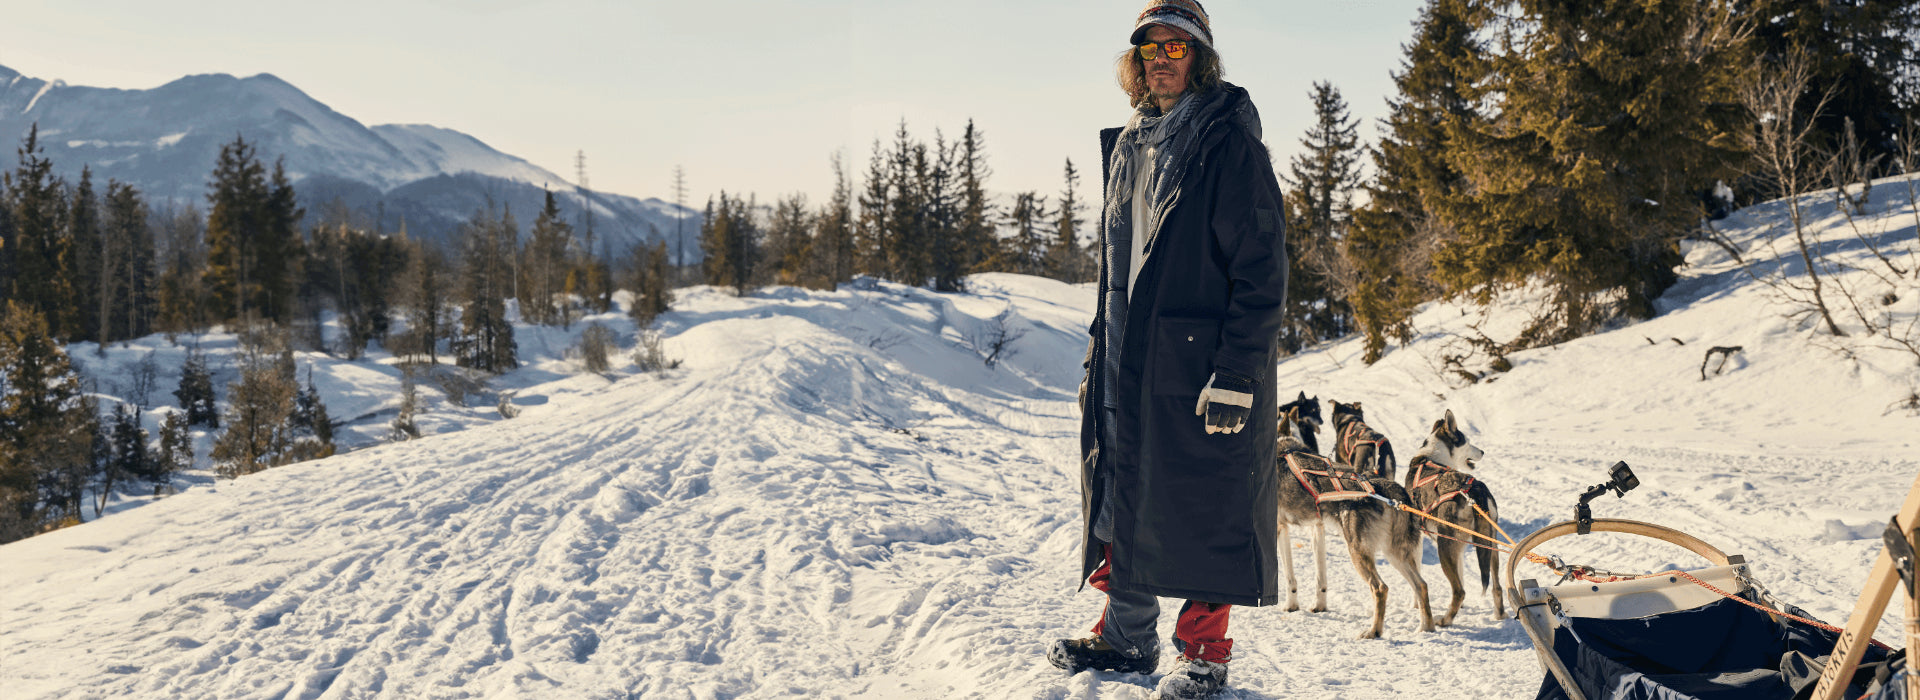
(1710, 633)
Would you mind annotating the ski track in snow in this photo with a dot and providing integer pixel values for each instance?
(836, 498)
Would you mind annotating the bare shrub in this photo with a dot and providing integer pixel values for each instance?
(994, 340)
(595, 343)
(650, 353)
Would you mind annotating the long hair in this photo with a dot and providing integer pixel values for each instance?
(1205, 74)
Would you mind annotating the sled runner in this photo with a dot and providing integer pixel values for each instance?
(1709, 633)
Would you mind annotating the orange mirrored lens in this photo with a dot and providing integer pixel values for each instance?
(1176, 50)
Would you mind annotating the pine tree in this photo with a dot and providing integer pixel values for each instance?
(86, 265)
(1067, 260)
(47, 427)
(176, 448)
(1025, 251)
(424, 292)
(942, 196)
(244, 251)
(1392, 238)
(180, 297)
(788, 246)
(1321, 183)
(729, 242)
(870, 229)
(977, 239)
(1613, 115)
(544, 269)
(260, 406)
(196, 391)
(486, 339)
(127, 310)
(38, 214)
(130, 458)
(833, 242)
(312, 428)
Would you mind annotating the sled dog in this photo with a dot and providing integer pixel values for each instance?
(1358, 445)
(1441, 481)
(1313, 490)
(1309, 421)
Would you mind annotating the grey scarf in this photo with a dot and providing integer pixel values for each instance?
(1172, 135)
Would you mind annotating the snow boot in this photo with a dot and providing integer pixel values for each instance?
(1192, 679)
(1076, 655)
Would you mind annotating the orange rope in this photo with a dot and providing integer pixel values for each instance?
(1496, 523)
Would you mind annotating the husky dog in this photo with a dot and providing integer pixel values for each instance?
(1309, 421)
(1440, 479)
(1313, 490)
(1359, 446)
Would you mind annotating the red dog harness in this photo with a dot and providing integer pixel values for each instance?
(1350, 440)
(1419, 478)
(1336, 480)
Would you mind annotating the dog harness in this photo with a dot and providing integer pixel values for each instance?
(1335, 480)
(1418, 477)
(1352, 438)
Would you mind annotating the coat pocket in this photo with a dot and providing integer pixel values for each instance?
(1183, 357)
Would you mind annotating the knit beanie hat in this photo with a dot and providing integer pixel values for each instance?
(1185, 15)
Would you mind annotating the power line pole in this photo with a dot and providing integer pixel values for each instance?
(679, 211)
(586, 205)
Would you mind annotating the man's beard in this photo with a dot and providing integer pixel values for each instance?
(1158, 94)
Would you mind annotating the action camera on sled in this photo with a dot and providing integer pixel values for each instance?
(1621, 480)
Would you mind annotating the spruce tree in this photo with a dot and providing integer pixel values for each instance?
(195, 393)
(977, 213)
(424, 292)
(544, 269)
(176, 448)
(833, 241)
(312, 427)
(47, 427)
(485, 341)
(130, 457)
(870, 238)
(788, 245)
(1613, 116)
(1393, 235)
(180, 297)
(127, 310)
(730, 243)
(86, 266)
(1321, 183)
(1067, 260)
(38, 215)
(237, 233)
(1025, 251)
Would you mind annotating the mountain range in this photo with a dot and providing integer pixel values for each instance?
(164, 140)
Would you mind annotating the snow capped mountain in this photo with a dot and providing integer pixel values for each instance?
(165, 140)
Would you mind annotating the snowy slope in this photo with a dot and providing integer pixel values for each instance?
(836, 497)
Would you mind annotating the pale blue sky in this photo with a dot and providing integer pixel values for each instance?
(748, 96)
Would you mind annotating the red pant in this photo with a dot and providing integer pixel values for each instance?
(1201, 629)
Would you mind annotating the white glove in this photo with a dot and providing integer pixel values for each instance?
(1226, 402)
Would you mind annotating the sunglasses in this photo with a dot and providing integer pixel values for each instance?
(1176, 50)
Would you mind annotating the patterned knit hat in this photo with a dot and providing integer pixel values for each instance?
(1185, 15)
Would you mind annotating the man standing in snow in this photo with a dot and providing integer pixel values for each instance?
(1178, 408)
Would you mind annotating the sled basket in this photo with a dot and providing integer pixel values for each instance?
(1668, 637)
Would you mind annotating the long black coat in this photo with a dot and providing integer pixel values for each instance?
(1195, 514)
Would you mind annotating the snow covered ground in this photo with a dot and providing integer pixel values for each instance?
(836, 496)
